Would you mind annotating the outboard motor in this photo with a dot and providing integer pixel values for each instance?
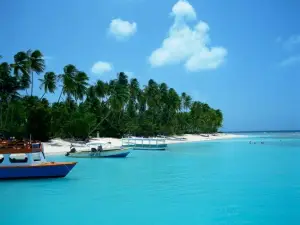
(100, 149)
(72, 150)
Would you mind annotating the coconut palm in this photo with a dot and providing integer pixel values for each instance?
(119, 95)
(80, 86)
(100, 89)
(48, 83)
(9, 85)
(21, 69)
(173, 100)
(36, 64)
(186, 101)
(134, 90)
(68, 80)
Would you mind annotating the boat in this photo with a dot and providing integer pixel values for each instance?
(141, 143)
(26, 160)
(97, 150)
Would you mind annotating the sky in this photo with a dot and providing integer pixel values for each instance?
(242, 57)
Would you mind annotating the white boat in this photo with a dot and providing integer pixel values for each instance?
(97, 149)
(141, 143)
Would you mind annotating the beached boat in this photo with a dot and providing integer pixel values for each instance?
(97, 150)
(141, 143)
(20, 160)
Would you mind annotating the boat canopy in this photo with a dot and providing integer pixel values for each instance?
(16, 147)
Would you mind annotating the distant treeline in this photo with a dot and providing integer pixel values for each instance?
(113, 108)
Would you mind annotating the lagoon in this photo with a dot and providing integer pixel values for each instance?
(212, 183)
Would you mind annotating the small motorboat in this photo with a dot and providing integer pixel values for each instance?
(97, 150)
(26, 160)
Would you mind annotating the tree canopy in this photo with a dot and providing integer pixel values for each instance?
(115, 108)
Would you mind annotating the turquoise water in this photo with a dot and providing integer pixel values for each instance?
(224, 182)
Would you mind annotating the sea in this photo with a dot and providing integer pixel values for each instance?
(253, 180)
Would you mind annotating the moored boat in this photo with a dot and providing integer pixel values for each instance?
(141, 143)
(97, 150)
(26, 160)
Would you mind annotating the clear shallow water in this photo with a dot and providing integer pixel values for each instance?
(223, 182)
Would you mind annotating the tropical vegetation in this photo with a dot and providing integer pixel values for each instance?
(115, 108)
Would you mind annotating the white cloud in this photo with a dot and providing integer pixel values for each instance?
(182, 9)
(101, 67)
(290, 61)
(188, 45)
(122, 29)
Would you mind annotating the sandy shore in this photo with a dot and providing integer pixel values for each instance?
(59, 146)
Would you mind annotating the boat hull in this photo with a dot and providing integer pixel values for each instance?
(45, 170)
(101, 154)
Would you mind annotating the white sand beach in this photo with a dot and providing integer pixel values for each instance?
(59, 146)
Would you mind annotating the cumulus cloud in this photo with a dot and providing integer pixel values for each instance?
(188, 45)
(292, 60)
(182, 9)
(101, 67)
(122, 29)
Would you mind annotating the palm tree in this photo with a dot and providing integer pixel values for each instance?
(134, 90)
(186, 101)
(119, 94)
(48, 83)
(68, 80)
(122, 78)
(101, 89)
(9, 87)
(80, 86)
(219, 118)
(36, 64)
(20, 69)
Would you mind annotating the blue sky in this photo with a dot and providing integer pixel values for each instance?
(240, 56)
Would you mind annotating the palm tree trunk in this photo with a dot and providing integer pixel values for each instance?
(42, 96)
(31, 83)
(60, 95)
(100, 122)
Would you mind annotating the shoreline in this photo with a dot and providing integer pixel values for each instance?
(59, 146)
